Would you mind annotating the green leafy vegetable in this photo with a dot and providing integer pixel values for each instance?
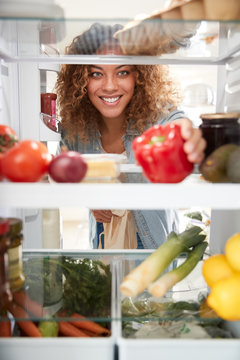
(196, 215)
(87, 287)
(82, 285)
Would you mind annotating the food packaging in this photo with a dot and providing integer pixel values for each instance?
(152, 36)
(222, 9)
(48, 103)
(193, 10)
(103, 166)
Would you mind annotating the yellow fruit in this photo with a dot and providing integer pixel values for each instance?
(232, 251)
(225, 298)
(216, 268)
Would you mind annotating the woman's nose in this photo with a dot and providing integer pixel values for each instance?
(110, 83)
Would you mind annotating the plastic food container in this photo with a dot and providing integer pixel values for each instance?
(138, 342)
(103, 166)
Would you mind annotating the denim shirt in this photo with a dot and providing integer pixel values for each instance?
(152, 225)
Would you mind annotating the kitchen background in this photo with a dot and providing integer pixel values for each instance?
(198, 85)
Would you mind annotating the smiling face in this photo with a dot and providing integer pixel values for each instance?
(110, 89)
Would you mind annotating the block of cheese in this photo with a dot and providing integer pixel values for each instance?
(103, 166)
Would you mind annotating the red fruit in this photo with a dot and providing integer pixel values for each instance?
(27, 161)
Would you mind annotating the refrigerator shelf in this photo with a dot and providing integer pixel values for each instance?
(196, 42)
(120, 196)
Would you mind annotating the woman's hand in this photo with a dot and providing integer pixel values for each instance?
(103, 216)
(194, 143)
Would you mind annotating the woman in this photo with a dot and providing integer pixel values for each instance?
(104, 107)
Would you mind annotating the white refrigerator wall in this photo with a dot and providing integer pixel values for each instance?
(20, 101)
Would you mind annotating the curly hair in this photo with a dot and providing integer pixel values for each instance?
(154, 94)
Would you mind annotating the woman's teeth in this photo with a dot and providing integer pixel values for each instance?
(111, 100)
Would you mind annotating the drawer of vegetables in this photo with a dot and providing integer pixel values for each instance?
(64, 310)
(164, 305)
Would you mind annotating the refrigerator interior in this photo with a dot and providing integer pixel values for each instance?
(146, 328)
(31, 52)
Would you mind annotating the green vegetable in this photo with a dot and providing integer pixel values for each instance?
(168, 280)
(136, 314)
(48, 328)
(87, 287)
(83, 285)
(196, 215)
(150, 269)
(44, 279)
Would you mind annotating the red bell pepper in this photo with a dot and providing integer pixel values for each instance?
(159, 151)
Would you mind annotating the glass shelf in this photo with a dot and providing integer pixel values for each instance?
(177, 41)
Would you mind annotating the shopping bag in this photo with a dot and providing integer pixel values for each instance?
(121, 232)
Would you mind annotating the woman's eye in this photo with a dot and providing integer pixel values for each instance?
(95, 74)
(123, 73)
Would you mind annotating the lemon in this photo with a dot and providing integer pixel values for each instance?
(232, 251)
(224, 298)
(216, 268)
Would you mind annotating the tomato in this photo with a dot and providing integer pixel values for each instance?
(1, 175)
(27, 161)
(8, 138)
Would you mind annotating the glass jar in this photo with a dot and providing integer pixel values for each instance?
(15, 263)
(220, 129)
(5, 293)
(48, 103)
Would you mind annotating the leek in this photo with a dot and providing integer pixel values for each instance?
(151, 268)
(168, 280)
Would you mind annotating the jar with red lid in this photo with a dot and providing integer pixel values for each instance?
(5, 292)
(219, 129)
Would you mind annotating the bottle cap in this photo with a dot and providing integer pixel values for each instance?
(216, 116)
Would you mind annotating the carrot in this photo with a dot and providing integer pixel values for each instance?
(90, 333)
(23, 299)
(27, 326)
(89, 325)
(5, 327)
(67, 329)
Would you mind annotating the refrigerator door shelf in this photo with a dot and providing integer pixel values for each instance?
(49, 128)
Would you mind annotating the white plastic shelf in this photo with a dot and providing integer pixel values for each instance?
(120, 196)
